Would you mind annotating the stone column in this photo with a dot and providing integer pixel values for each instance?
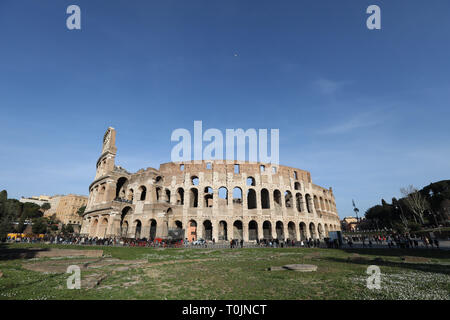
(260, 230)
(215, 229)
(286, 231)
(245, 231)
(274, 229)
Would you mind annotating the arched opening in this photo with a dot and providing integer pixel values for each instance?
(237, 196)
(137, 233)
(101, 194)
(208, 197)
(265, 201)
(102, 228)
(303, 234)
(237, 230)
(288, 199)
(158, 193)
(322, 204)
(121, 187)
(194, 198)
(277, 198)
(279, 229)
(152, 233)
(267, 230)
(223, 232)
(192, 230)
(251, 182)
(143, 191)
(316, 203)
(167, 195)
(180, 196)
(93, 228)
(251, 199)
(158, 179)
(312, 231)
(326, 230)
(223, 197)
(195, 181)
(297, 186)
(130, 196)
(292, 231)
(207, 230)
(126, 212)
(124, 229)
(252, 230)
(320, 231)
(299, 202)
(308, 203)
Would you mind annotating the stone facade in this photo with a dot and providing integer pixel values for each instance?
(67, 210)
(218, 200)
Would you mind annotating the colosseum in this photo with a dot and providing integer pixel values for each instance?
(211, 200)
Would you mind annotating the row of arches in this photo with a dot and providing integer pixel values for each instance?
(237, 230)
(261, 199)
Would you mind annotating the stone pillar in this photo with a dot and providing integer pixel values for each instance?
(245, 231)
(286, 231)
(274, 229)
(200, 230)
(215, 229)
(260, 230)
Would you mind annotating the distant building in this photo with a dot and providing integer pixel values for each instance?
(349, 223)
(67, 210)
(39, 200)
(64, 207)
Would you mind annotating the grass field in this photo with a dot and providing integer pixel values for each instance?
(147, 273)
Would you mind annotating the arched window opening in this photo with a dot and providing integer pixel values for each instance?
(279, 229)
(180, 196)
(223, 232)
(277, 197)
(223, 197)
(265, 200)
(237, 196)
(195, 180)
(267, 230)
(143, 191)
(209, 197)
(251, 199)
(288, 199)
(237, 230)
(153, 225)
(251, 181)
(168, 195)
(292, 232)
(207, 230)
(120, 187)
(252, 230)
(194, 198)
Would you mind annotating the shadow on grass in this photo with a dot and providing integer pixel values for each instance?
(9, 253)
(424, 267)
(394, 252)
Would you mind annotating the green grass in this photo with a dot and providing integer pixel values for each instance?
(241, 274)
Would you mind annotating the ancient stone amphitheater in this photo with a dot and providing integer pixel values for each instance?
(207, 199)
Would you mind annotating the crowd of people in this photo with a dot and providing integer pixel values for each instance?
(391, 241)
(404, 241)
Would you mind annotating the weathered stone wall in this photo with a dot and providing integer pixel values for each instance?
(217, 200)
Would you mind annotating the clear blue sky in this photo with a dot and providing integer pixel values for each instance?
(366, 112)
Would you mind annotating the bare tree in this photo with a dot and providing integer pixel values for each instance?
(415, 202)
